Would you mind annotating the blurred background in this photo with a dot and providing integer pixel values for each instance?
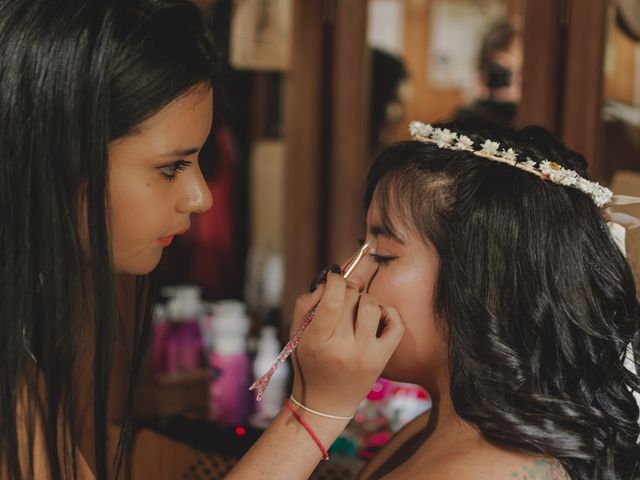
(309, 92)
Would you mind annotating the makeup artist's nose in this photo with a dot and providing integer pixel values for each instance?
(362, 274)
(197, 196)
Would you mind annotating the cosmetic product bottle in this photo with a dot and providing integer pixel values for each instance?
(206, 329)
(406, 402)
(271, 404)
(370, 417)
(272, 281)
(229, 399)
(370, 420)
(160, 337)
(184, 345)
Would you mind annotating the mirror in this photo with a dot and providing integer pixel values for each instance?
(443, 59)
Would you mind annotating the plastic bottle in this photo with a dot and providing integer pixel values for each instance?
(229, 400)
(271, 404)
(406, 402)
(370, 421)
(184, 345)
(161, 330)
(206, 329)
(272, 281)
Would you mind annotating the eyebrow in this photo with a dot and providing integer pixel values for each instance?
(386, 232)
(181, 152)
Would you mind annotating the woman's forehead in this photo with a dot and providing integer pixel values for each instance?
(384, 221)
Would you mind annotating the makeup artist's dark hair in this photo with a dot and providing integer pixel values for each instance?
(74, 75)
(538, 303)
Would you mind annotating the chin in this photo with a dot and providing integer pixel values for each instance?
(138, 266)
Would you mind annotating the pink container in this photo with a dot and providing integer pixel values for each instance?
(229, 400)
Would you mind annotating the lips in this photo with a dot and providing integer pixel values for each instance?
(166, 241)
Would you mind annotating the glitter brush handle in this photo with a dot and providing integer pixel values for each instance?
(260, 385)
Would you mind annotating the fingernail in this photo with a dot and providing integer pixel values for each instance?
(320, 278)
(335, 269)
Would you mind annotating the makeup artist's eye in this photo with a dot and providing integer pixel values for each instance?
(382, 260)
(171, 171)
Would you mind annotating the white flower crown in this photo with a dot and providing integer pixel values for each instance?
(445, 138)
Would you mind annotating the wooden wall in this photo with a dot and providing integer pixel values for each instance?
(327, 137)
(304, 142)
(563, 73)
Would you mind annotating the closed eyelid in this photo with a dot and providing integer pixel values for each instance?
(382, 260)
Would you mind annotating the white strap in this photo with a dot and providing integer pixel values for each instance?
(624, 200)
(620, 222)
(320, 414)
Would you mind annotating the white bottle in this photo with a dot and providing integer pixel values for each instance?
(406, 403)
(272, 401)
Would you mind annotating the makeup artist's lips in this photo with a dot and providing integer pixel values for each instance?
(166, 241)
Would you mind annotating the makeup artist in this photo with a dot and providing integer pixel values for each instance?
(103, 111)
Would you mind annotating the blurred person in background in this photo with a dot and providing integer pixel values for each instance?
(499, 88)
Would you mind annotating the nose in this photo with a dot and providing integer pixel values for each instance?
(363, 273)
(197, 196)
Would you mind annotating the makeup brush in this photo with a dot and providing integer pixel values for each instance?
(260, 385)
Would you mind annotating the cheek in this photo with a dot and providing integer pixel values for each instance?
(422, 347)
(409, 290)
(135, 223)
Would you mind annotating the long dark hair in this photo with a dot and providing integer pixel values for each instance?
(539, 304)
(74, 76)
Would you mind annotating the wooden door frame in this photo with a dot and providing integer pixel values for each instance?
(326, 118)
(563, 73)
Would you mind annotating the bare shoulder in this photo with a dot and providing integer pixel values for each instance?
(32, 442)
(498, 465)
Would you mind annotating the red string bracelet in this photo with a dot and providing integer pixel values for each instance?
(325, 454)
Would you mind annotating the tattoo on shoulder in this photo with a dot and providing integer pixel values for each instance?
(541, 469)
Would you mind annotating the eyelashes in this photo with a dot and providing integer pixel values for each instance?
(171, 171)
(382, 260)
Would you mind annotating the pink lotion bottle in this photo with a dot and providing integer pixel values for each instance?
(229, 399)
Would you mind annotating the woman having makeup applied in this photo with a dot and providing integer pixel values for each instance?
(520, 308)
(104, 106)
